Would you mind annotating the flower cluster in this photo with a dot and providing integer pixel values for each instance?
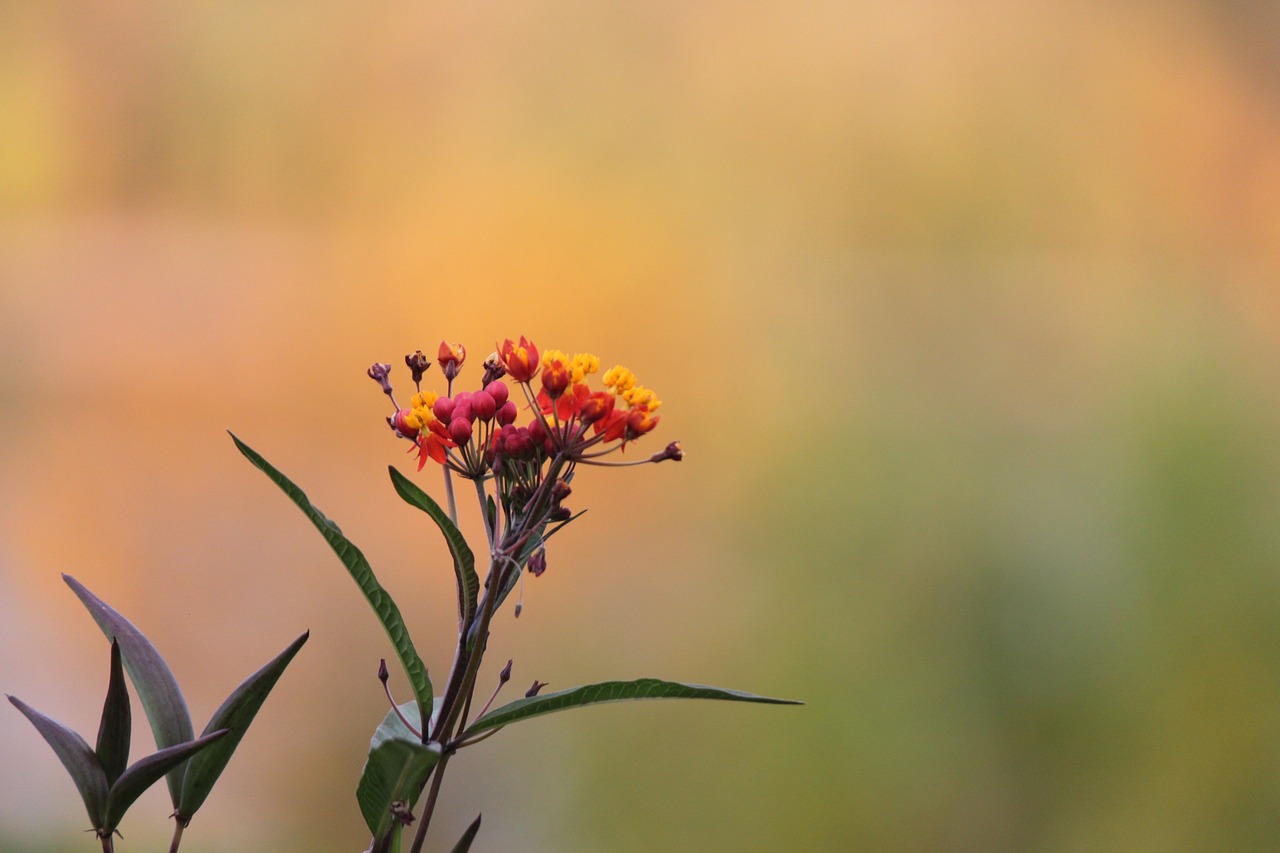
(475, 434)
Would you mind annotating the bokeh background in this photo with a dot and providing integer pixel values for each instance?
(966, 314)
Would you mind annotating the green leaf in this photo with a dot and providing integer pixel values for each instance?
(235, 715)
(157, 688)
(609, 691)
(390, 730)
(396, 770)
(360, 571)
(464, 843)
(116, 726)
(146, 772)
(85, 769)
(464, 562)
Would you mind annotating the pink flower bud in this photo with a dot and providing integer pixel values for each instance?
(482, 404)
(443, 409)
(498, 391)
(398, 423)
(460, 431)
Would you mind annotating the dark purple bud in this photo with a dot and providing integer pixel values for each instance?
(505, 675)
(672, 451)
(378, 373)
(533, 691)
(493, 370)
(538, 562)
(418, 364)
(383, 675)
(560, 513)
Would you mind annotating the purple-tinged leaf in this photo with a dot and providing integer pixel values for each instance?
(86, 772)
(146, 772)
(157, 688)
(235, 715)
(116, 726)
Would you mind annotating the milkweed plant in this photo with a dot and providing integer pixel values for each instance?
(521, 474)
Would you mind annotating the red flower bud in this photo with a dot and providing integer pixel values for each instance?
(555, 378)
(498, 391)
(537, 432)
(443, 408)
(398, 423)
(482, 404)
(451, 357)
(507, 414)
(460, 430)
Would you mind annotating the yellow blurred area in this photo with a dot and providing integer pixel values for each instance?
(966, 315)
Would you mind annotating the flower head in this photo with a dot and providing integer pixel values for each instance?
(451, 356)
(520, 360)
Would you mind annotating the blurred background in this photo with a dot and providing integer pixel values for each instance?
(966, 315)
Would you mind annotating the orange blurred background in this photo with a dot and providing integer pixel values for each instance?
(966, 315)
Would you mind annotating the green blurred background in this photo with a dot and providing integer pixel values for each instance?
(966, 314)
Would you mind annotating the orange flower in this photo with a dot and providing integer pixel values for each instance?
(520, 360)
(432, 443)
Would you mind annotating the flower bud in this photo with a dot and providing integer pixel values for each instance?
(451, 357)
(505, 675)
(482, 404)
(493, 370)
(537, 432)
(507, 414)
(379, 373)
(555, 378)
(560, 490)
(538, 562)
(443, 409)
(400, 422)
(460, 430)
(418, 364)
(498, 391)
(673, 451)
(533, 691)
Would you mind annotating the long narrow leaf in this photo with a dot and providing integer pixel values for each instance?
(115, 728)
(158, 691)
(146, 772)
(86, 772)
(464, 562)
(610, 691)
(464, 843)
(235, 715)
(378, 598)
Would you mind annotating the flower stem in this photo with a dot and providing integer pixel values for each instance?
(177, 834)
(108, 844)
(427, 810)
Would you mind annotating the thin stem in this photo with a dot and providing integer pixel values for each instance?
(484, 511)
(427, 810)
(177, 833)
(108, 843)
(448, 477)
